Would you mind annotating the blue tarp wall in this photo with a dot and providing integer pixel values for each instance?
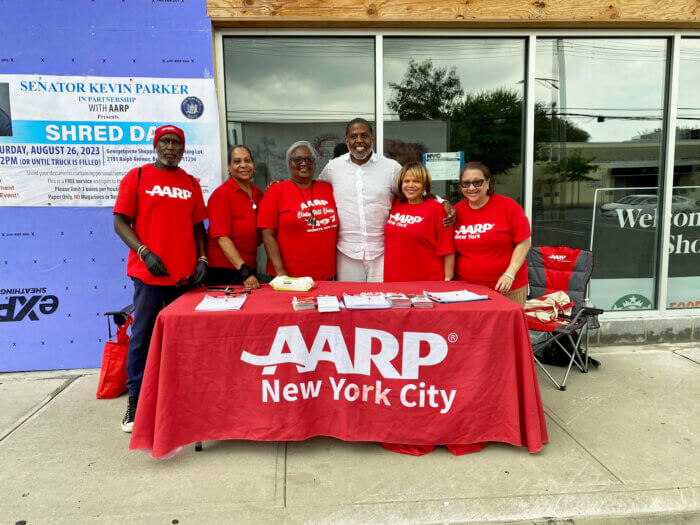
(61, 268)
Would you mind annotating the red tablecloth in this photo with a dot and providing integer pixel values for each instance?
(455, 374)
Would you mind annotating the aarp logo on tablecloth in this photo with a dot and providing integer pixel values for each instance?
(306, 359)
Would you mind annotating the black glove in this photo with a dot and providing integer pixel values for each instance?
(200, 273)
(154, 264)
(244, 272)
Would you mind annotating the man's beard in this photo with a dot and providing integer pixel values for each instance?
(360, 156)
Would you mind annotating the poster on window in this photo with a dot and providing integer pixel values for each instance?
(624, 240)
(68, 141)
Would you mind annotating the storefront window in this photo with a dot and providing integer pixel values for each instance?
(446, 95)
(280, 90)
(684, 249)
(598, 129)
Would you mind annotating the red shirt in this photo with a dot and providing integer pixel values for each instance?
(231, 214)
(306, 249)
(163, 207)
(415, 242)
(485, 240)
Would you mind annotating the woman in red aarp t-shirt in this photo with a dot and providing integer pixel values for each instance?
(299, 221)
(233, 233)
(491, 236)
(417, 247)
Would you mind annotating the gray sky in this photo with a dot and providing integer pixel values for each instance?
(317, 79)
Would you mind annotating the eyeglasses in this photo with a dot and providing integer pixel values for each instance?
(236, 291)
(229, 290)
(476, 183)
(301, 160)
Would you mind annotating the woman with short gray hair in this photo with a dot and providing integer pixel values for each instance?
(298, 144)
(299, 221)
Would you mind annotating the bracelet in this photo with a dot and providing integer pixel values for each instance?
(244, 271)
(512, 278)
(140, 251)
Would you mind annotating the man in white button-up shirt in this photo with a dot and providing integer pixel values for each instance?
(364, 186)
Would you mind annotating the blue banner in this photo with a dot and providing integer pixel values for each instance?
(152, 38)
(62, 268)
(83, 85)
(90, 132)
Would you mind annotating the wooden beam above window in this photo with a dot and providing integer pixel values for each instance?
(455, 13)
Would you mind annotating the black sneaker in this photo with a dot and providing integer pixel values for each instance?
(128, 421)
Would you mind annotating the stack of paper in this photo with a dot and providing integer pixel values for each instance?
(421, 301)
(221, 303)
(366, 301)
(328, 303)
(398, 300)
(304, 303)
(459, 296)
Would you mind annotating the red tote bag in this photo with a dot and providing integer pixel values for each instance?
(113, 371)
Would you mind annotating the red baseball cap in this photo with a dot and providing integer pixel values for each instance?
(163, 130)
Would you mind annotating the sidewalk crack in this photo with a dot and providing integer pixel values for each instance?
(281, 475)
(48, 399)
(555, 419)
(686, 357)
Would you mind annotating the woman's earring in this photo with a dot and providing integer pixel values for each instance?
(425, 193)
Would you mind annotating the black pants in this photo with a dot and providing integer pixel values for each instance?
(223, 276)
(149, 300)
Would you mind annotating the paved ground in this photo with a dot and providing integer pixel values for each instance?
(624, 443)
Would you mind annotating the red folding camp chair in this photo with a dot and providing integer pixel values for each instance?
(559, 268)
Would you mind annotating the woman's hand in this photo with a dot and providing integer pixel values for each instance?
(504, 283)
(251, 282)
(272, 182)
(273, 251)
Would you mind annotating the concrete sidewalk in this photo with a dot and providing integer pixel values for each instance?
(624, 443)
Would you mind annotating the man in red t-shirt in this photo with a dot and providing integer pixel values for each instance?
(159, 214)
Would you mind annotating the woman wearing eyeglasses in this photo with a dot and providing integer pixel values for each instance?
(233, 235)
(299, 221)
(414, 231)
(491, 235)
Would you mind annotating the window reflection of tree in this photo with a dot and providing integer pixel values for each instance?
(404, 152)
(486, 125)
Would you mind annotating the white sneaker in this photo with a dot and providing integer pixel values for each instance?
(128, 421)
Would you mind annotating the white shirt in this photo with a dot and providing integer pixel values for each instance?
(363, 195)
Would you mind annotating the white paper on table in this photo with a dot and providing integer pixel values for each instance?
(224, 303)
(327, 303)
(365, 302)
(458, 296)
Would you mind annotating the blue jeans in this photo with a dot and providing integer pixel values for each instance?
(149, 300)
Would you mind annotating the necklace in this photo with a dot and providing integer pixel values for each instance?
(252, 201)
(249, 195)
(311, 221)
